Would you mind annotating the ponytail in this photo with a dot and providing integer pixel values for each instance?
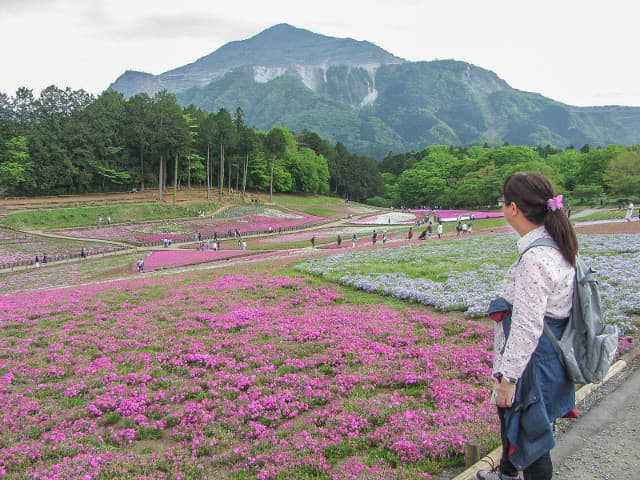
(534, 196)
(559, 227)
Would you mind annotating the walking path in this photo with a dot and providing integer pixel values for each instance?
(604, 443)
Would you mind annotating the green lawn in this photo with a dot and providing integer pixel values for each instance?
(50, 219)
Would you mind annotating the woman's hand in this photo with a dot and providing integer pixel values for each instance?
(506, 394)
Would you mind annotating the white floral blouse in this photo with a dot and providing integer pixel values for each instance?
(539, 285)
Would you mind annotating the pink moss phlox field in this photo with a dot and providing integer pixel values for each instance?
(183, 230)
(244, 372)
(181, 258)
(19, 247)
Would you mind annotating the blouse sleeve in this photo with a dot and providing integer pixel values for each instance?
(533, 285)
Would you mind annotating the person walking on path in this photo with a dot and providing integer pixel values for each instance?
(533, 388)
(374, 237)
(440, 229)
(354, 240)
(339, 240)
(629, 214)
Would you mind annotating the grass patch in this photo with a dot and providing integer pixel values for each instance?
(319, 212)
(604, 215)
(306, 201)
(49, 219)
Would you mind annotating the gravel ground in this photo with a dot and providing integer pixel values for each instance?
(604, 443)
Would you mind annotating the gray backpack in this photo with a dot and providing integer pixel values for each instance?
(588, 344)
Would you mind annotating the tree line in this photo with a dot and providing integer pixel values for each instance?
(448, 176)
(69, 142)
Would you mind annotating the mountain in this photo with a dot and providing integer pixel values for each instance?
(374, 102)
(279, 50)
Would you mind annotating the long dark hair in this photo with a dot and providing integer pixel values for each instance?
(530, 191)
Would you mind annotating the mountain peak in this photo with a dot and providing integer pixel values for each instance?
(278, 50)
(284, 31)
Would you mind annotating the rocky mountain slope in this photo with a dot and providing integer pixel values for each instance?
(279, 50)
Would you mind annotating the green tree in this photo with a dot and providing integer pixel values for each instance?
(247, 144)
(587, 194)
(16, 165)
(275, 143)
(622, 175)
(309, 171)
(105, 118)
(171, 135)
(224, 136)
(24, 108)
(194, 160)
(568, 164)
(138, 129)
(594, 164)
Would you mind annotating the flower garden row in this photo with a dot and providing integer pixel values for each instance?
(246, 375)
(184, 230)
(473, 269)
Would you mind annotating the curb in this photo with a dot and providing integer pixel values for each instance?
(493, 458)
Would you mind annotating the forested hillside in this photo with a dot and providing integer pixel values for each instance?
(67, 142)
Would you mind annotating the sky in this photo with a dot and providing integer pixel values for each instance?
(578, 52)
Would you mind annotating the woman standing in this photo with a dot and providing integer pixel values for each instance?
(533, 387)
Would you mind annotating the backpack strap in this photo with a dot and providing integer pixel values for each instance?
(540, 242)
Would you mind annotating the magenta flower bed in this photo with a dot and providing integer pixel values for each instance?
(250, 375)
(175, 258)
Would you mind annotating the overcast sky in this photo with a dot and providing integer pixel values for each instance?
(580, 52)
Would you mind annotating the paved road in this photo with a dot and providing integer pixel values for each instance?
(605, 442)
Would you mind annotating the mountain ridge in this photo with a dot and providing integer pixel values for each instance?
(374, 102)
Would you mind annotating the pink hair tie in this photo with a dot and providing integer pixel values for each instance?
(555, 203)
